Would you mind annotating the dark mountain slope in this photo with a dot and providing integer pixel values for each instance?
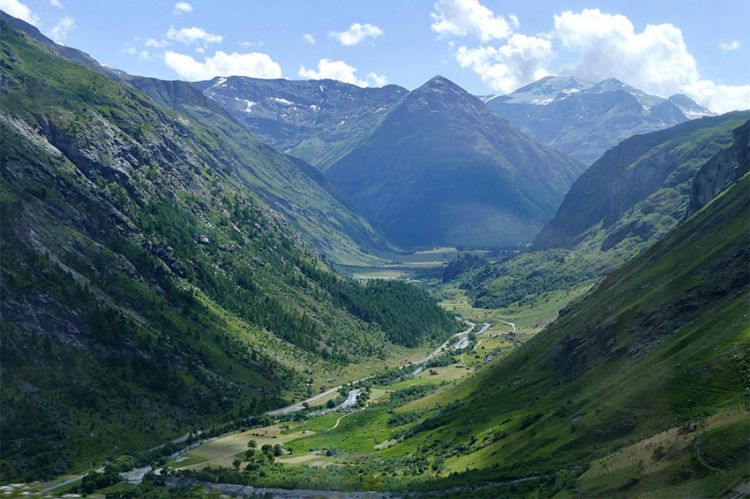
(319, 121)
(442, 170)
(584, 119)
(287, 184)
(145, 290)
(660, 343)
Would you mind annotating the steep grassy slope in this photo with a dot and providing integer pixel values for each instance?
(144, 288)
(319, 121)
(626, 201)
(441, 170)
(287, 184)
(661, 342)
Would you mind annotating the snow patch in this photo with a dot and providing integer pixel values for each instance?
(282, 101)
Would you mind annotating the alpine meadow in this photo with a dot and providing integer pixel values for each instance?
(444, 248)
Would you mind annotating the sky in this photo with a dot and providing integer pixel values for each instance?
(697, 47)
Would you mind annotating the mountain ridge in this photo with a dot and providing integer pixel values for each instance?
(584, 119)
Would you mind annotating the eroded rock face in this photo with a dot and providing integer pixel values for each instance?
(722, 170)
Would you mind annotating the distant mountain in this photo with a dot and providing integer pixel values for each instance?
(443, 170)
(583, 119)
(315, 120)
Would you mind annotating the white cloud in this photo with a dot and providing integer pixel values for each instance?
(727, 46)
(153, 42)
(259, 43)
(356, 33)
(130, 50)
(182, 8)
(655, 59)
(377, 80)
(62, 28)
(193, 35)
(520, 61)
(252, 64)
(309, 38)
(469, 17)
(333, 70)
(21, 11)
(56, 3)
(719, 98)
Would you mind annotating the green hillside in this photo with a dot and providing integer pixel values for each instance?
(145, 289)
(662, 342)
(629, 199)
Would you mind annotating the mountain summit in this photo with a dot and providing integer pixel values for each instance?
(583, 119)
(443, 170)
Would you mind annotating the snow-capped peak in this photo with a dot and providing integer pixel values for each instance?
(547, 90)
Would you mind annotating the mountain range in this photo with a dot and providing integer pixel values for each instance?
(584, 119)
(319, 121)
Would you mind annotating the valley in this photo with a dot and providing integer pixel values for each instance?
(240, 284)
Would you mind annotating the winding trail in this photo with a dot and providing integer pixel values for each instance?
(339, 421)
(511, 324)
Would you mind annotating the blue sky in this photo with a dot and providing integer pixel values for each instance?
(486, 46)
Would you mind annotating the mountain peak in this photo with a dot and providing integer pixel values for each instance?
(547, 89)
(689, 107)
(440, 83)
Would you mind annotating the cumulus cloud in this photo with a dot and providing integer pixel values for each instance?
(308, 38)
(341, 71)
(60, 30)
(469, 17)
(182, 8)
(194, 35)
(601, 45)
(521, 60)
(21, 11)
(655, 59)
(254, 64)
(727, 46)
(356, 34)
